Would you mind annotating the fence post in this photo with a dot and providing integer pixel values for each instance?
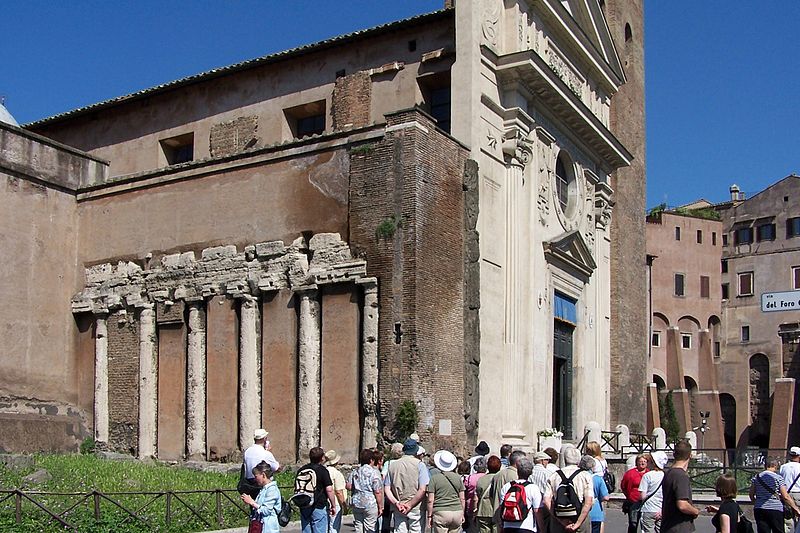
(218, 498)
(18, 506)
(169, 508)
(96, 498)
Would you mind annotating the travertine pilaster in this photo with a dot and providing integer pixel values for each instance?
(148, 382)
(309, 371)
(369, 363)
(196, 383)
(101, 379)
(249, 379)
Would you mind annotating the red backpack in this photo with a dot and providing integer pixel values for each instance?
(515, 503)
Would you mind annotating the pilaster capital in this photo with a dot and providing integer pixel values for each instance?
(368, 285)
(307, 291)
(517, 147)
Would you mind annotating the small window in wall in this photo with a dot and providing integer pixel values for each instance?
(743, 236)
(724, 266)
(179, 149)
(724, 239)
(745, 283)
(717, 350)
(686, 341)
(699, 236)
(704, 287)
(656, 341)
(435, 89)
(765, 232)
(679, 285)
(793, 227)
(713, 238)
(726, 291)
(796, 278)
(307, 119)
(677, 233)
(745, 333)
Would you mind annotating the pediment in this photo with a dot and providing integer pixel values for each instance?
(570, 252)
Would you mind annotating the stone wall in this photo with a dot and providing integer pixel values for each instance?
(123, 383)
(407, 219)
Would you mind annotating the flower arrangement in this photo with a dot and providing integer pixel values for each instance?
(550, 432)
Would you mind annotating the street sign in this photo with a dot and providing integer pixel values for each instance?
(780, 301)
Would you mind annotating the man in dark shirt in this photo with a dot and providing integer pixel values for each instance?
(677, 511)
(314, 518)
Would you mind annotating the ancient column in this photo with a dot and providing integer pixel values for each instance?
(101, 378)
(148, 382)
(309, 371)
(369, 363)
(196, 383)
(249, 377)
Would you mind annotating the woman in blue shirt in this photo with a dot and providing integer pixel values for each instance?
(267, 503)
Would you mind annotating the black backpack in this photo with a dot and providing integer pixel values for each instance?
(566, 503)
(743, 525)
(285, 516)
(305, 484)
(610, 479)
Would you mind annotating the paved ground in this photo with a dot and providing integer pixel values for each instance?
(616, 522)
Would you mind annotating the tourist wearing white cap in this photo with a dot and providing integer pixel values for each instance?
(257, 452)
(339, 490)
(649, 505)
(791, 477)
(445, 495)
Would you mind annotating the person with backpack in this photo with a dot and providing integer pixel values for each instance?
(572, 493)
(601, 465)
(726, 515)
(791, 477)
(646, 511)
(484, 498)
(313, 494)
(267, 504)
(445, 495)
(769, 495)
(597, 515)
(521, 501)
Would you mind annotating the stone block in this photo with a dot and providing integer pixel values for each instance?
(218, 252)
(323, 240)
(270, 249)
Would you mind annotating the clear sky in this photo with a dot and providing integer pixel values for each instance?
(723, 77)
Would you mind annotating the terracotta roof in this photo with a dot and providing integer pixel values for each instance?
(247, 64)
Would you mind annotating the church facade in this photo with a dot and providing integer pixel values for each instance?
(416, 216)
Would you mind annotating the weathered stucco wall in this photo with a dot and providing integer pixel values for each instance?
(45, 369)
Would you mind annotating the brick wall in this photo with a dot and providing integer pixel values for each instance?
(123, 383)
(412, 179)
(233, 136)
(350, 102)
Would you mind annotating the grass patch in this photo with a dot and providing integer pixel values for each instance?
(86, 473)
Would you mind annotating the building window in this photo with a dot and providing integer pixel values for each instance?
(745, 333)
(713, 238)
(440, 107)
(745, 284)
(765, 232)
(792, 227)
(307, 119)
(699, 236)
(717, 351)
(724, 266)
(743, 236)
(178, 149)
(704, 287)
(686, 341)
(679, 285)
(724, 239)
(796, 278)
(562, 184)
(656, 342)
(677, 233)
(726, 289)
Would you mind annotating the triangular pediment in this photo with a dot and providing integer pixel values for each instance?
(570, 253)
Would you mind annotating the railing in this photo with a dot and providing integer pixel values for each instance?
(743, 464)
(610, 441)
(183, 510)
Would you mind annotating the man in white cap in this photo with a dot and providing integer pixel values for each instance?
(791, 477)
(337, 478)
(255, 454)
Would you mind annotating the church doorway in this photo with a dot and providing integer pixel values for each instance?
(562, 377)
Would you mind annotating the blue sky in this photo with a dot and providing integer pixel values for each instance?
(723, 78)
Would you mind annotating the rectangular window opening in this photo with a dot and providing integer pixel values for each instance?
(178, 149)
(726, 291)
(724, 266)
(796, 278)
(724, 239)
(677, 233)
(745, 333)
(713, 238)
(306, 119)
(743, 236)
(717, 350)
(765, 232)
(704, 286)
(686, 341)
(679, 285)
(745, 284)
(792, 227)
(699, 236)
(656, 341)
(435, 89)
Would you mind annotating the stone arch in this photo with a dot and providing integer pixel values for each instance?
(727, 405)
(759, 400)
(689, 319)
(663, 318)
(661, 384)
(715, 330)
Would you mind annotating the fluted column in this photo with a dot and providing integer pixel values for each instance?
(309, 371)
(101, 378)
(148, 382)
(196, 383)
(249, 379)
(369, 363)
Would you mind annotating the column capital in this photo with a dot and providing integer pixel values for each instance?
(517, 148)
(306, 291)
(248, 301)
(369, 285)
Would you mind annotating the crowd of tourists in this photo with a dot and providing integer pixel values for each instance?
(408, 490)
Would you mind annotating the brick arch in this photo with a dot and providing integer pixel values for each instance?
(689, 318)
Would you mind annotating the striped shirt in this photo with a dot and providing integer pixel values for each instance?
(768, 489)
(539, 477)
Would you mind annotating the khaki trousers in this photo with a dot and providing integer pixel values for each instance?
(447, 521)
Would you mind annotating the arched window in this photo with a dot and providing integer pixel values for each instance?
(565, 183)
(628, 33)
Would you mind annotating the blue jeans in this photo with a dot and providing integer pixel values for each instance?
(314, 520)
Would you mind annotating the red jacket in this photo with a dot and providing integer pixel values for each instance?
(630, 484)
